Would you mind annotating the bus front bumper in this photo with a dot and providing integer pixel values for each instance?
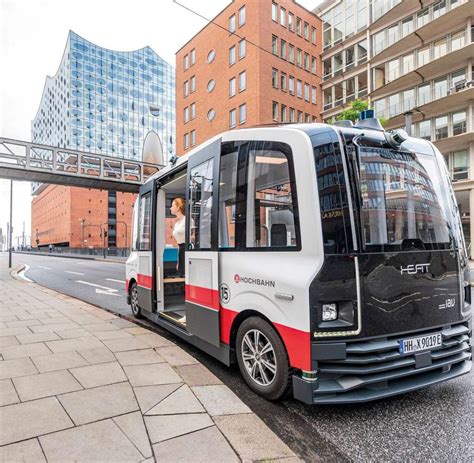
(361, 371)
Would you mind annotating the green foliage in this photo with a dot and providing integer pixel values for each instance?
(351, 113)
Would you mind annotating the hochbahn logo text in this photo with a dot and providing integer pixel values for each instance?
(254, 281)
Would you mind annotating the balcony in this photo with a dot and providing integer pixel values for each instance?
(450, 61)
(457, 99)
(455, 143)
(446, 22)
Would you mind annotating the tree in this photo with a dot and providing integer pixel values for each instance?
(351, 113)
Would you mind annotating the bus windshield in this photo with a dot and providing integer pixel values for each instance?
(402, 201)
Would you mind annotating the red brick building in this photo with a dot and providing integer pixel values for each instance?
(257, 62)
(76, 217)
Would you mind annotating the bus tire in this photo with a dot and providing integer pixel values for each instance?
(266, 369)
(136, 310)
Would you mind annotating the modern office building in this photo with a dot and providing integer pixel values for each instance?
(256, 62)
(107, 102)
(408, 56)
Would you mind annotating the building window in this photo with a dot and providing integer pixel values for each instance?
(457, 40)
(192, 56)
(306, 61)
(459, 123)
(291, 85)
(441, 127)
(274, 44)
(291, 22)
(186, 61)
(283, 113)
(299, 56)
(186, 141)
(313, 35)
(232, 55)
(283, 49)
(424, 129)
(275, 111)
(210, 56)
(274, 78)
(440, 48)
(193, 137)
(192, 110)
(232, 24)
(242, 113)
(422, 17)
(306, 92)
(424, 94)
(441, 87)
(232, 118)
(211, 85)
(423, 56)
(211, 114)
(192, 84)
(283, 81)
(186, 88)
(242, 16)
(283, 17)
(313, 65)
(300, 117)
(291, 53)
(186, 114)
(299, 88)
(292, 114)
(298, 26)
(408, 63)
(313, 95)
(242, 48)
(275, 12)
(307, 118)
(232, 87)
(242, 81)
(306, 31)
(459, 165)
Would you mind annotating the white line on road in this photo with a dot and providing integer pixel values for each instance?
(45, 268)
(101, 289)
(74, 273)
(23, 276)
(116, 281)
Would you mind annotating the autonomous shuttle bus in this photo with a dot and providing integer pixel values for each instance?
(326, 260)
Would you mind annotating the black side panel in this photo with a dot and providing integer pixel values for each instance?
(145, 297)
(206, 319)
(397, 300)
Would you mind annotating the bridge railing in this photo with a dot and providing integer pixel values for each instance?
(33, 157)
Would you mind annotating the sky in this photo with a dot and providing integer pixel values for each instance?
(33, 35)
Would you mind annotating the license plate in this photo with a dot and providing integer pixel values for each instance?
(430, 341)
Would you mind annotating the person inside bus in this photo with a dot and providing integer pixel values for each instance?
(178, 209)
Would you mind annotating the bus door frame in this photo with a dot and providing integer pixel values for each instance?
(202, 266)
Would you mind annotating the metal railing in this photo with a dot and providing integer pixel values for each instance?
(20, 160)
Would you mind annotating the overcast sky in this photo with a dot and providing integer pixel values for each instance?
(33, 35)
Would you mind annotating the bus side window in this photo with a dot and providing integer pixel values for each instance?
(144, 222)
(200, 205)
(272, 213)
(135, 225)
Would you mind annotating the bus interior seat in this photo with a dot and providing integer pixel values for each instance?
(278, 234)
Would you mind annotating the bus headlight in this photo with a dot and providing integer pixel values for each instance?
(329, 312)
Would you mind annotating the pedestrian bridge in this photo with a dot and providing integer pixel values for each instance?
(32, 162)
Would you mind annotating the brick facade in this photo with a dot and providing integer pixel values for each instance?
(259, 32)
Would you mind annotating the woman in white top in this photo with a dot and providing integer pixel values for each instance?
(178, 209)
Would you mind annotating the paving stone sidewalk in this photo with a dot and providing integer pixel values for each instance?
(79, 384)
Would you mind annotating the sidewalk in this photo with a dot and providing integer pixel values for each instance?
(80, 384)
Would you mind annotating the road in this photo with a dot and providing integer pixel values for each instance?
(435, 423)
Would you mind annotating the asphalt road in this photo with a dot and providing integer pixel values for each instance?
(435, 423)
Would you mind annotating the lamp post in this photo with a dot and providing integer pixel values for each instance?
(126, 232)
(10, 231)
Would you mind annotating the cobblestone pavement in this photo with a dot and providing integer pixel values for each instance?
(78, 383)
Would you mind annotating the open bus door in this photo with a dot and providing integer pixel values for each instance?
(202, 278)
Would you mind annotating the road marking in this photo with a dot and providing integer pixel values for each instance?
(100, 289)
(22, 274)
(73, 273)
(46, 268)
(116, 281)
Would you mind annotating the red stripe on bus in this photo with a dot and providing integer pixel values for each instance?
(203, 296)
(145, 281)
(297, 342)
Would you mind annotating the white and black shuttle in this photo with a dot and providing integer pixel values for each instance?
(326, 260)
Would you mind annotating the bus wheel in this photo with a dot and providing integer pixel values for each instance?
(137, 312)
(262, 359)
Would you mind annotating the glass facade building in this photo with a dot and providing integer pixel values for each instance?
(104, 101)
